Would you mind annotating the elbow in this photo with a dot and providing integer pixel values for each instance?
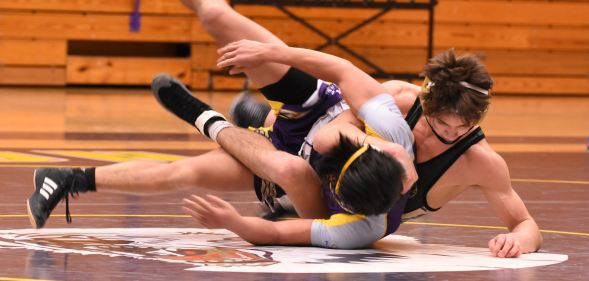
(540, 241)
(534, 238)
(346, 71)
(323, 140)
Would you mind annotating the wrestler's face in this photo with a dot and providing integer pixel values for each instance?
(449, 127)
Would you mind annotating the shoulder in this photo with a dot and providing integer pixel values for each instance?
(395, 129)
(397, 87)
(404, 93)
(486, 166)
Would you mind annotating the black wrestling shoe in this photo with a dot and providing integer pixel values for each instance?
(51, 186)
(177, 99)
(246, 111)
(282, 209)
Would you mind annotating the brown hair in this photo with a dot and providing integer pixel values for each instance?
(446, 95)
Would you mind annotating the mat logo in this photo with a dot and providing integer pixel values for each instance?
(153, 247)
(220, 250)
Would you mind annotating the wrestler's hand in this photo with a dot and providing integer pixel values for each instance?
(211, 211)
(410, 173)
(398, 152)
(242, 54)
(505, 246)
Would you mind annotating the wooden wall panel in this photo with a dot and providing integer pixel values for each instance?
(22, 75)
(500, 62)
(537, 12)
(523, 85)
(541, 85)
(94, 27)
(530, 46)
(124, 71)
(541, 63)
(103, 6)
(411, 35)
(414, 35)
(202, 80)
(204, 56)
(33, 52)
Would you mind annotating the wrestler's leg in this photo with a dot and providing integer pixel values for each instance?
(292, 173)
(253, 150)
(225, 25)
(214, 170)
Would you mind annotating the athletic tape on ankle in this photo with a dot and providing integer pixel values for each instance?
(217, 127)
(201, 121)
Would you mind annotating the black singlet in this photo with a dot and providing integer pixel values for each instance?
(430, 171)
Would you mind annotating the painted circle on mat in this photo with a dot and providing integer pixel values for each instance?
(221, 250)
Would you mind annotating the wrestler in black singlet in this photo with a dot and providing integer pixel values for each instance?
(430, 171)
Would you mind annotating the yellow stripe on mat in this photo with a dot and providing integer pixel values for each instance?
(550, 181)
(20, 279)
(494, 227)
(105, 144)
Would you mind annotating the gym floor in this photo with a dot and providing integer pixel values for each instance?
(543, 139)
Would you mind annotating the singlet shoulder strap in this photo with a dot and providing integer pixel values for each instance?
(414, 114)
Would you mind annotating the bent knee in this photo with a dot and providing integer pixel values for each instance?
(290, 169)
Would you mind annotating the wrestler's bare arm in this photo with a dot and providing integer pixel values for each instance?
(213, 212)
(356, 85)
(524, 235)
(347, 124)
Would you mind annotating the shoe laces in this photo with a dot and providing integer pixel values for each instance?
(69, 193)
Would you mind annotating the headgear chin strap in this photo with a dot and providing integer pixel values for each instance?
(442, 139)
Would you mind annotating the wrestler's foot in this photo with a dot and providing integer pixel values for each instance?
(176, 98)
(51, 186)
(282, 209)
(246, 111)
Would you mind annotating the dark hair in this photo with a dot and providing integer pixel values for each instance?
(447, 95)
(371, 185)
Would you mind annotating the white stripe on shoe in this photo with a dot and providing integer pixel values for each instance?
(44, 193)
(50, 182)
(47, 188)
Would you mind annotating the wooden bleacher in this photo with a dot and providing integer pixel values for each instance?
(530, 46)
